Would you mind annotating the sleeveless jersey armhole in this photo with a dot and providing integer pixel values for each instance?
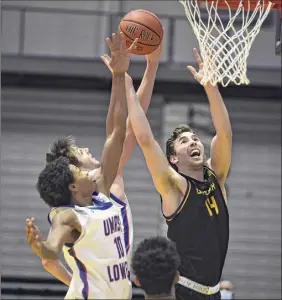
(182, 203)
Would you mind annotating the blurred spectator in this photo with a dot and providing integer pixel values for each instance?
(226, 290)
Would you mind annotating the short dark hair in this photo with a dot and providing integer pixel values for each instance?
(170, 142)
(53, 183)
(155, 263)
(63, 148)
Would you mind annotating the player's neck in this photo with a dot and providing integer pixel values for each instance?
(80, 200)
(197, 173)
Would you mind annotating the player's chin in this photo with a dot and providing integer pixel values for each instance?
(197, 161)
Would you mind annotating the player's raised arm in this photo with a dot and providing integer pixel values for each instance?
(119, 63)
(221, 145)
(144, 95)
(166, 180)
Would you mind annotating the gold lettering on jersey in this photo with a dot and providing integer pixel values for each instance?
(211, 205)
(131, 29)
(207, 192)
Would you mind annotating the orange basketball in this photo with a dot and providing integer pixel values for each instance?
(145, 26)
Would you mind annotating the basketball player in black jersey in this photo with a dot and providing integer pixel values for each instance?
(192, 191)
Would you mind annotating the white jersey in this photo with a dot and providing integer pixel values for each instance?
(126, 217)
(98, 258)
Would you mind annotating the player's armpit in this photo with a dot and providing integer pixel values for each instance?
(220, 160)
(63, 224)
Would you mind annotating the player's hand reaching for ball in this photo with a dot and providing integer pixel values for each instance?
(120, 55)
(155, 56)
(200, 74)
(33, 236)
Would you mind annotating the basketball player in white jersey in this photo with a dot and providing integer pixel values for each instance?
(90, 236)
(83, 159)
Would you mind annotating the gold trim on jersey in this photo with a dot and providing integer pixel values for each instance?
(183, 202)
(210, 172)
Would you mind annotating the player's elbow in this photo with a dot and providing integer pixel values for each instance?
(47, 264)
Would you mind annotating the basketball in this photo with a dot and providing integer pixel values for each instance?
(145, 26)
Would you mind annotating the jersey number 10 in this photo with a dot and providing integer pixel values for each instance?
(120, 249)
(211, 205)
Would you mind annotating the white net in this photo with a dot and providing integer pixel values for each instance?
(225, 44)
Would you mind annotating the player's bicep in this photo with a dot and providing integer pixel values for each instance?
(62, 226)
(220, 160)
(158, 166)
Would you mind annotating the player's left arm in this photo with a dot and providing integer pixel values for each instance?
(221, 145)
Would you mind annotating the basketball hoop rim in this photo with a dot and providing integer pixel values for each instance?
(247, 4)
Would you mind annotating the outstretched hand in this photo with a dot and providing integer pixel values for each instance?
(156, 54)
(200, 74)
(33, 236)
(120, 55)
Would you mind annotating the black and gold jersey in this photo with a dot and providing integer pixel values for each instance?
(200, 229)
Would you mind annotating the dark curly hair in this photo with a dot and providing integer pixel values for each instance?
(170, 142)
(63, 148)
(155, 263)
(53, 183)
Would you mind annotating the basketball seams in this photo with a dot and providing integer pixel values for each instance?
(139, 42)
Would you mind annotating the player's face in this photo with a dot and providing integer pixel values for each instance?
(189, 150)
(83, 185)
(85, 158)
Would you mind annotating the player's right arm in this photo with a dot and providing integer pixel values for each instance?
(54, 267)
(58, 270)
(167, 181)
(63, 224)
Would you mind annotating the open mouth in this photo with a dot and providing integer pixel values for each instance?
(195, 153)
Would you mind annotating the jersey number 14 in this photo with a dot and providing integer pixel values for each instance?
(211, 206)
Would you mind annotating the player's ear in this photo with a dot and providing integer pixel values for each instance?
(176, 278)
(137, 282)
(72, 187)
(173, 159)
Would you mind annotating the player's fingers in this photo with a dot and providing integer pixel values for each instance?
(192, 70)
(115, 41)
(110, 44)
(133, 45)
(104, 59)
(197, 56)
(30, 237)
(107, 57)
(122, 41)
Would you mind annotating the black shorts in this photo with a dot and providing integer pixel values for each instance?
(183, 293)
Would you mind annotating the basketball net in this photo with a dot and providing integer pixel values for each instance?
(225, 46)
